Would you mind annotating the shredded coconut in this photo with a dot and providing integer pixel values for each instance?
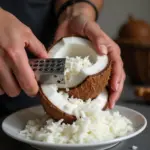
(74, 65)
(92, 126)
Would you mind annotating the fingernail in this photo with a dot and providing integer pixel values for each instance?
(103, 49)
(45, 55)
(112, 105)
(116, 86)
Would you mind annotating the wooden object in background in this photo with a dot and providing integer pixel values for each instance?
(143, 92)
(134, 41)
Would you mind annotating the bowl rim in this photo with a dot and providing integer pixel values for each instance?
(44, 144)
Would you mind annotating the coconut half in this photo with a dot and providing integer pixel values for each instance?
(89, 83)
(75, 46)
(58, 105)
(91, 80)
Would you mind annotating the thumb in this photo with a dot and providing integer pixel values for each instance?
(36, 47)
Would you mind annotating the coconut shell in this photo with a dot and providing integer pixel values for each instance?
(53, 111)
(92, 85)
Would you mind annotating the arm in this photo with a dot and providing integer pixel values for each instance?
(81, 8)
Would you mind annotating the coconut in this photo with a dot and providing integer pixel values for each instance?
(89, 83)
(59, 107)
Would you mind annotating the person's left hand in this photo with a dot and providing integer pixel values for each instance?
(82, 26)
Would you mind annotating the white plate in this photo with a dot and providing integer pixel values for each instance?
(14, 123)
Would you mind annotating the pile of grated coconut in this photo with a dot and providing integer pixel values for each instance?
(92, 125)
(74, 65)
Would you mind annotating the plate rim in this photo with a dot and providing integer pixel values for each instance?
(39, 143)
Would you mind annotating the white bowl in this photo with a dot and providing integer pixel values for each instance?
(14, 123)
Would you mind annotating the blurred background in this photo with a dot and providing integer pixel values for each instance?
(131, 33)
(115, 13)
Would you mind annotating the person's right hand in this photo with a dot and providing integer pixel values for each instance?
(15, 71)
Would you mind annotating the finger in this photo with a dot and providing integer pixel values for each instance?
(117, 66)
(2, 56)
(1, 91)
(19, 63)
(62, 31)
(114, 95)
(99, 39)
(7, 81)
(35, 46)
(95, 34)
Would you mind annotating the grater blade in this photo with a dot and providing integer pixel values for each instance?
(49, 71)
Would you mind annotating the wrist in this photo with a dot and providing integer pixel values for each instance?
(78, 9)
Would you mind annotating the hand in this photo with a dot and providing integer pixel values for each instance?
(83, 26)
(15, 72)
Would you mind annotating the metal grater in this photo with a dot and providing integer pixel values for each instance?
(49, 71)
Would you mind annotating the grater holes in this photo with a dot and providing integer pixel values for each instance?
(57, 65)
(47, 61)
(41, 61)
(34, 69)
(52, 65)
(46, 69)
(36, 61)
(58, 69)
(47, 65)
(59, 61)
(51, 69)
(41, 69)
(41, 65)
(35, 65)
(58, 81)
(52, 61)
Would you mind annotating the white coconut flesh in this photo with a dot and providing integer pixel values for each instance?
(75, 46)
(72, 105)
(81, 61)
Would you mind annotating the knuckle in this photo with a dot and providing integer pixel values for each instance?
(124, 76)
(1, 64)
(9, 48)
(15, 93)
(100, 39)
(31, 90)
(28, 30)
(13, 53)
(121, 62)
(117, 48)
(42, 46)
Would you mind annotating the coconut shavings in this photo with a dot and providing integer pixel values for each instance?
(92, 126)
(74, 65)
